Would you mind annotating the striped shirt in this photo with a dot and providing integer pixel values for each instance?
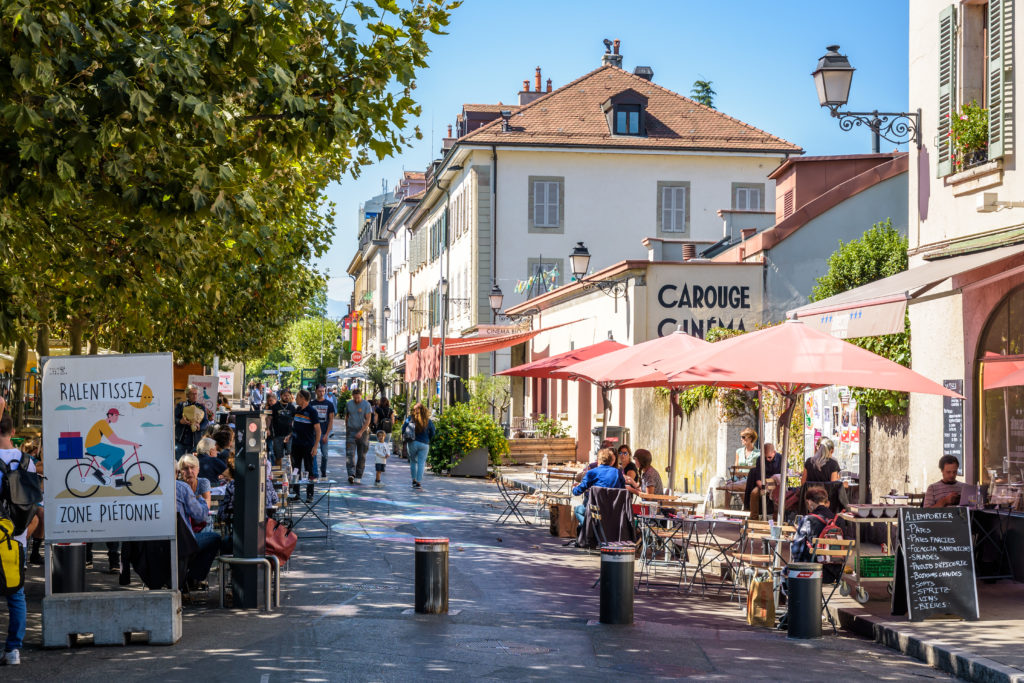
(940, 490)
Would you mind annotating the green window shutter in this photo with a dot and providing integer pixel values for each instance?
(947, 89)
(998, 10)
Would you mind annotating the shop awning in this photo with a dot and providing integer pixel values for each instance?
(879, 307)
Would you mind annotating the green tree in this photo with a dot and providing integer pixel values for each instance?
(490, 393)
(703, 92)
(164, 164)
(381, 373)
(881, 252)
(309, 340)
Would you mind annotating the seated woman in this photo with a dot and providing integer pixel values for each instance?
(605, 474)
(822, 469)
(210, 466)
(188, 471)
(773, 463)
(194, 511)
(747, 453)
(650, 479)
(626, 466)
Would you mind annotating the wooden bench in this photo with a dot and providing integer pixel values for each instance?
(526, 451)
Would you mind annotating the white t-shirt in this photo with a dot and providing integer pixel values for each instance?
(381, 451)
(12, 456)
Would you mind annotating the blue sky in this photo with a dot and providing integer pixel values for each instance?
(757, 54)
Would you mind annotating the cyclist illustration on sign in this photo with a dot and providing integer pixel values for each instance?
(112, 457)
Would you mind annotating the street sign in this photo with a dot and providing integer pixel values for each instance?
(286, 368)
(357, 356)
(270, 371)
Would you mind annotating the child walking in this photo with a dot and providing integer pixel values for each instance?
(381, 451)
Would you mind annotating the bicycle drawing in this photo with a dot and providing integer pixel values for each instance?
(87, 474)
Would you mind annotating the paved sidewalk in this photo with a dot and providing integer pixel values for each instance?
(988, 650)
(526, 609)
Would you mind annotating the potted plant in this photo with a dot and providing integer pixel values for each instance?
(968, 132)
(467, 440)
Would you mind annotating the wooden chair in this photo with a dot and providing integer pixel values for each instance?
(835, 552)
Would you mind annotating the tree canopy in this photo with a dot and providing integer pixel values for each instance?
(163, 165)
(703, 92)
(881, 252)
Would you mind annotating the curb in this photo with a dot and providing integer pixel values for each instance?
(940, 655)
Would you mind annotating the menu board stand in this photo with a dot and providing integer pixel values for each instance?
(935, 565)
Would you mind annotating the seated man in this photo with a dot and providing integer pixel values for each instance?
(944, 493)
(606, 474)
(810, 525)
(772, 472)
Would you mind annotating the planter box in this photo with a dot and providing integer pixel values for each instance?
(527, 451)
(473, 464)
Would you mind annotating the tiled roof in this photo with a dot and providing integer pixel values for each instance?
(413, 175)
(572, 116)
(495, 108)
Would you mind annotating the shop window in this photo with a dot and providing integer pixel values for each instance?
(1001, 419)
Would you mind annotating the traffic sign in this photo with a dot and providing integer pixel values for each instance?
(357, 356)
(286, 368)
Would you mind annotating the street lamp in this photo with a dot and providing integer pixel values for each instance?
(579, 261)
(832, 80)
(495, 298)
(339, 342)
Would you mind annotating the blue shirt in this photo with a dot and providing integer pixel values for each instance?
(602, 475)
(191, 508)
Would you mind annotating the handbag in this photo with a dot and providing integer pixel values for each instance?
(280, 540)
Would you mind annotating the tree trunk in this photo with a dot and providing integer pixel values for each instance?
(75, 336)
(42, 340)
(20, 367)
(94, 347)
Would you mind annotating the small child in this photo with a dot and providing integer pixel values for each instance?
(381, 451)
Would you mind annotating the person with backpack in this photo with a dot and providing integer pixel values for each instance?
(385, 417)
(418, 431)
(818, 523)
(12, 540)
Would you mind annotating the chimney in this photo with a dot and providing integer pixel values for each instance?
(549, 85)
(527, 95)
(689, 251)
(449, 130)
(747, 233)
(644, 72)
(612, 57)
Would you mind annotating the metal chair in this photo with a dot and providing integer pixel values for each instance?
(832, 551)
(512, 498)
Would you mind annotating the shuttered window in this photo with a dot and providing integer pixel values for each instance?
(998, 12)
(545, 204)
(673, 209)
(947, 89)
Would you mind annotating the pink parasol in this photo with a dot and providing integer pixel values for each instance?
(543, 367)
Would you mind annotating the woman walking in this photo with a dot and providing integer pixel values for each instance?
(424, 429)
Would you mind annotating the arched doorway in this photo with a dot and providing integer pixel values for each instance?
(1001, 411)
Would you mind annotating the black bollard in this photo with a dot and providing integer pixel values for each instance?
(617, 582)
(804, 583)
(68, 568)
(432, 575)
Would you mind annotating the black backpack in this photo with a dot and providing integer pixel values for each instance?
(21, 492)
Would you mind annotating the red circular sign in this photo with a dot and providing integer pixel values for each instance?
(357, 356)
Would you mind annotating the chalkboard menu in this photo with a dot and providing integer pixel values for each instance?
(935, 565)
(953, 421)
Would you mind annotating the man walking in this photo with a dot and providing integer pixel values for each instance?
(358, 414)
(325, 409)
(255, 397)
(278, 429)
(189, 422)
(305, 440)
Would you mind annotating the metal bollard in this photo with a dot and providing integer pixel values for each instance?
(804, 614)
(68, 568)
(617, 561)
(432, 575)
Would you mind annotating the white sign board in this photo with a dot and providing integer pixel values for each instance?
(698, 297)
(108, 447)
(226, 383)
(206, 391)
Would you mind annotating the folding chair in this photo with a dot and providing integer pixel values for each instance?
(833, 551)
(512, 498)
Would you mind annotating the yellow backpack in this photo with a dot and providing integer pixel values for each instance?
(12, 559)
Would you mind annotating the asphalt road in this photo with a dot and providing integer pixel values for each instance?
(523, 607)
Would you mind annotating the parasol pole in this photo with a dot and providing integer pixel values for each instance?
(606, 406)
(673, 398)
(760, 427)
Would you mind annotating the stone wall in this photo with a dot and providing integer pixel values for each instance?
(888, 455)
(696, 441)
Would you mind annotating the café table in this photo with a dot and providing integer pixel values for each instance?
(661, 545)
(707, 540)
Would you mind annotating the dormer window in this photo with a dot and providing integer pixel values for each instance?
(627, 119)
(625, 113)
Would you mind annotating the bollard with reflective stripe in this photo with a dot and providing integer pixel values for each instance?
(432, 575)
(617, 582)
(804, 584)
